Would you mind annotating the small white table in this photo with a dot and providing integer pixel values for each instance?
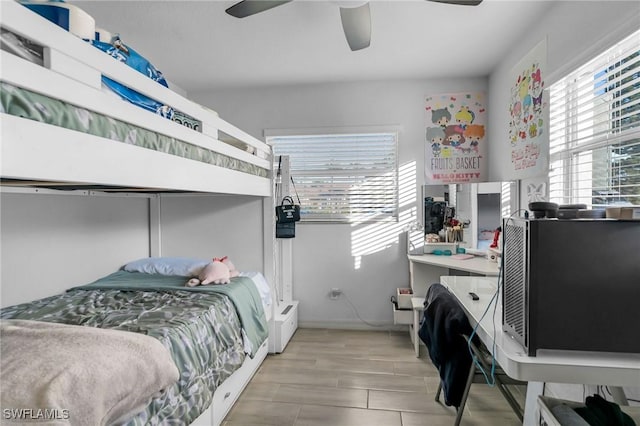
(614, 369)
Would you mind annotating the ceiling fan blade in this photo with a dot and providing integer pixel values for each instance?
(246, 8)
(356, 23)
(460, 2)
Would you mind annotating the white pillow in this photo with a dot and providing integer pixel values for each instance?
(182, 266)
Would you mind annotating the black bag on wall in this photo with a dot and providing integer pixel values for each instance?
(287, 211)
(285, 229)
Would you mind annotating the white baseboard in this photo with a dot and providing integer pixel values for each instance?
(352, 325)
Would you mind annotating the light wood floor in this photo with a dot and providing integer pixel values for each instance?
(352, 378)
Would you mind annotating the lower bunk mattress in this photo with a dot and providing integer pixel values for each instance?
(208, 330)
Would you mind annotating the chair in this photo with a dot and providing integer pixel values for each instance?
(484, 357)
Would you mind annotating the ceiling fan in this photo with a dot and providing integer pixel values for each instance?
(356, 19)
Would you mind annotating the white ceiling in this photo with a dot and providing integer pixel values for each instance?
(199, 47)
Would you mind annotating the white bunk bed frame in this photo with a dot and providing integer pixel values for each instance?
(72, 73)
(36, 155)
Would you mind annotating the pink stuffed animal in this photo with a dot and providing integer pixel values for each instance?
(232, 269)
(219, 271)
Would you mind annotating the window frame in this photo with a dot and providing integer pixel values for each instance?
(350, 218)
(569, 184)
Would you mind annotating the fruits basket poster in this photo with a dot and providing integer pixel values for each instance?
(529, 115)
(455, 146)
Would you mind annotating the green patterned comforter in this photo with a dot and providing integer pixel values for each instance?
(34, 106)
(202, 331)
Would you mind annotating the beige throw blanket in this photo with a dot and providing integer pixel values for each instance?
(60, 374)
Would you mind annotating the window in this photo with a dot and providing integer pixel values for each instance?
(595, 130)
(343, 177)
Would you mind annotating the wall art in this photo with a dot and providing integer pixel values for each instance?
(455, 138)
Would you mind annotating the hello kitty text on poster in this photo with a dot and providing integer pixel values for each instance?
(455, 141)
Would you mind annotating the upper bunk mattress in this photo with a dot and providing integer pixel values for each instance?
(24, 103)
(201, 329)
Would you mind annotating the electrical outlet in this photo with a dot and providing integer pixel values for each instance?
(335, 293)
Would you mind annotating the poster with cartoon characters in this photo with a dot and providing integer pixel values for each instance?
(529, 115)
(455, 146)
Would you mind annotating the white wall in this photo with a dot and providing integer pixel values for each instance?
(51, 243)
(367, 261)
(214, 226)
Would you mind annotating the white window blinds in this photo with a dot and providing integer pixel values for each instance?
(343, 177)
(595, 130)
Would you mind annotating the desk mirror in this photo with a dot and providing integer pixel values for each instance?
(480, 206)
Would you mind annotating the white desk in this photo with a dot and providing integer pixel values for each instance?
(596, 368)
(475, 265)
(426, 269)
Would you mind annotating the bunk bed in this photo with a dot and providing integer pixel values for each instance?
(164, 155)
(216, 336)
(61, 130)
